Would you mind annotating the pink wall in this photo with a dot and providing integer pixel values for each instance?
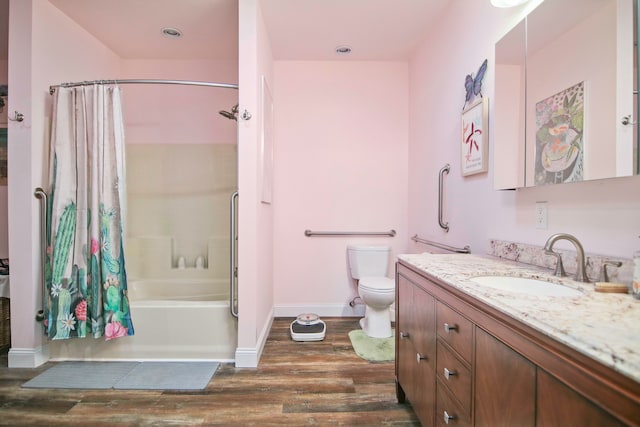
(255, 219)
(4, 229)
(340, 165)
(45, 48)
(170, 114)
(602, 214)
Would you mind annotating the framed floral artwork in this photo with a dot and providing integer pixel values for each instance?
(559, 137)
(474, 148)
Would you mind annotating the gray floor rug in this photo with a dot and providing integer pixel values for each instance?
(126, 375)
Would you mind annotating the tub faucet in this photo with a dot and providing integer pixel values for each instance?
(581, 275)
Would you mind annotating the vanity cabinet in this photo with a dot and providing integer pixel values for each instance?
(461, 362)
(415, 348)
(505, 384)
(559, 405)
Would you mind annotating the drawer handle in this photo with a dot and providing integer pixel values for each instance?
(404, 335)
(448, 328)
(420, 357)
(448, 373)
(448, 417)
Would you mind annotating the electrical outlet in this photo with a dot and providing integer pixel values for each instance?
(541, 215)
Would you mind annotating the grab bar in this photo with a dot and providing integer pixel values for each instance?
(390, 233)
(41, 195)
(234, 269)
(445, 169)
(465, 250)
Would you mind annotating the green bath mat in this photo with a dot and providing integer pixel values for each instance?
(373, 349)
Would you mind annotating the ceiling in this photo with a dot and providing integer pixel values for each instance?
(298, 29)
(133, 28)
(374, 29)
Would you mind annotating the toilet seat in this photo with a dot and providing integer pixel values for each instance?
(377, 284)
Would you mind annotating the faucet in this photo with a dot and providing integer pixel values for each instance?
(581, 275)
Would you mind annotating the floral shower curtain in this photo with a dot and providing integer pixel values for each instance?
(85, 275)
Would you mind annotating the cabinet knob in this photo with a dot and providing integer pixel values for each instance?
(448, 328)
(448, 373)
(448, 417)
(420, 357)
(404, 335)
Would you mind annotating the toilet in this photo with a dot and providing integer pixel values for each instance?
(369, 266)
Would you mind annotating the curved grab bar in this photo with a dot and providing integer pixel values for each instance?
(41, 195)
(445, 169)
(233, 274)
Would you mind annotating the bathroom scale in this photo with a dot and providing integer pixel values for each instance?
(307, 327)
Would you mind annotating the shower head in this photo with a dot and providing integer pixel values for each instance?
(230, 115)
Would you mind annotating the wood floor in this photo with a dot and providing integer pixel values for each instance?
(296, 384)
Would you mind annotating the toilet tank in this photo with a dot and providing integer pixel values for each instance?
(368, 261)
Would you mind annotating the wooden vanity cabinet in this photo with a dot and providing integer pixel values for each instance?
(505, 384)
(492, 370)
(415, 349)
(558, 405)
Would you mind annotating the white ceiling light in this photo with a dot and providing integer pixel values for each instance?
(343, 50)
(507, 3)
(172, 33)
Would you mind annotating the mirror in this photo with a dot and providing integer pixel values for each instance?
(509, 109)
(564, 97)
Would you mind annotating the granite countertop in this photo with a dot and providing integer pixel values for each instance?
(604, 326)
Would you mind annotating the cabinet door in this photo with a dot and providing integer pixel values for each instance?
(405, 354)
(505, 385)
(424, 340)
(416, 356)
(558, 405)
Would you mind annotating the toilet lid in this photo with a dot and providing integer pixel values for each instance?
(380, 284)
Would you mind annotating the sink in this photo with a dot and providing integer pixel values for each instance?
(524, 285)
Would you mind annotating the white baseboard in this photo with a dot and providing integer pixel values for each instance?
(326, 310)
(248, 357)
(27, 357)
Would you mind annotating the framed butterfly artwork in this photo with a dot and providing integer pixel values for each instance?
(473, 85)
(474, 148)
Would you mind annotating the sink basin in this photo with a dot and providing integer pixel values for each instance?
(527, 286)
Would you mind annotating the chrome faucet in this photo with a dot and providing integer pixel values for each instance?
(581, 275)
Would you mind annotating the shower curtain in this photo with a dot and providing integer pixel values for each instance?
(85, 275)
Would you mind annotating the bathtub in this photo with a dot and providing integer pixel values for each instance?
(185, 319)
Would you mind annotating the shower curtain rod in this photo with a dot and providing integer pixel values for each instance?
(52, 88)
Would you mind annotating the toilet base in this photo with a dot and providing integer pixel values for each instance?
(376, 323)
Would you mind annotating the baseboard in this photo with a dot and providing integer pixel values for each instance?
(248, 357)
(322, 310)
(27, 357)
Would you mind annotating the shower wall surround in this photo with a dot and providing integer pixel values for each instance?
(178, 205)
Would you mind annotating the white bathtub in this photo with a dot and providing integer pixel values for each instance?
(186, 319)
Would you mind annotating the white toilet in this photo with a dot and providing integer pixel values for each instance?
(369, 266)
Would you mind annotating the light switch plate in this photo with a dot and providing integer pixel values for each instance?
(541, 215)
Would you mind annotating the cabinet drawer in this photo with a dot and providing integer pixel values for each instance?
(455, 375)
(448, 412)
(455, 330)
